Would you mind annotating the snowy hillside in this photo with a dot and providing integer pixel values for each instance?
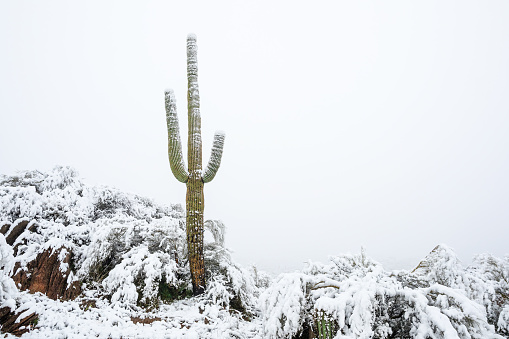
(79, 261)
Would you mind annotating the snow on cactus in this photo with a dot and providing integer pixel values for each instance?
(193, 176)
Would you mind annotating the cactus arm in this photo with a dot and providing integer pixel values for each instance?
(177, 164)
(215, 157)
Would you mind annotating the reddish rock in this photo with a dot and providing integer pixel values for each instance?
(16, 232)
(8, 319)
(44, 274)
(140, 320)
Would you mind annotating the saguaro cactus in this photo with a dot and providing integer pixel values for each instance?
(193, 177)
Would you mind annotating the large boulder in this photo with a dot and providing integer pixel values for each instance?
(49, 273)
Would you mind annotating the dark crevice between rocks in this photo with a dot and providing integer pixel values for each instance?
(16, 231)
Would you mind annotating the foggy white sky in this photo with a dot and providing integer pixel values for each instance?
(348, 124)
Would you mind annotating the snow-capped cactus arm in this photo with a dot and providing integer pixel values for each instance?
(215, 157)
(177, 164)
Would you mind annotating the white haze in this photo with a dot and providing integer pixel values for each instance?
(348, 124)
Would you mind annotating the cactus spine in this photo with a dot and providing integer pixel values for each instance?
(193, 177)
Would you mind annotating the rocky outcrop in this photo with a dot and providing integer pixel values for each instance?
(11, 323)
(50, 270)
(48, 274)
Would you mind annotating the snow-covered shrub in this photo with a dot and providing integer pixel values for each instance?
(262, 279)
(503, 321)
(491, 287)
(443, 267)
(138, 275)
(298, 298)
(124, 247)
(359, 299)
(55, 196)
(131, 260)
(228, 284)
(285, 305)
(104, 228)
(485, 281)
(7, 288)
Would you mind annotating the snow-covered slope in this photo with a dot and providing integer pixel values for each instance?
(128, 258)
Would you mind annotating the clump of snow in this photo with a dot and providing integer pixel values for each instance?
(442, 266)
(8, 290)
(490, 287)
(503, 320)
(284, 305)
(217, 229)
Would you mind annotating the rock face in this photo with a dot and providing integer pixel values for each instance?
(48, 274)
(10, 323)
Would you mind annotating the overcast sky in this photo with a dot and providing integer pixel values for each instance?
(348, 123)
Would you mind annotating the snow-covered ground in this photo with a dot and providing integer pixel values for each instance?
(129, 256)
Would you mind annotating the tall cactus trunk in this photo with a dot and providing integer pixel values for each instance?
(194, 178)
(194, 196)
(194, 225)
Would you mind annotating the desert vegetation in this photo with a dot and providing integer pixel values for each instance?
(79, 260)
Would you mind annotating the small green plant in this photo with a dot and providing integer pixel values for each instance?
(34, 322)
(170, 293)
(325, 327)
